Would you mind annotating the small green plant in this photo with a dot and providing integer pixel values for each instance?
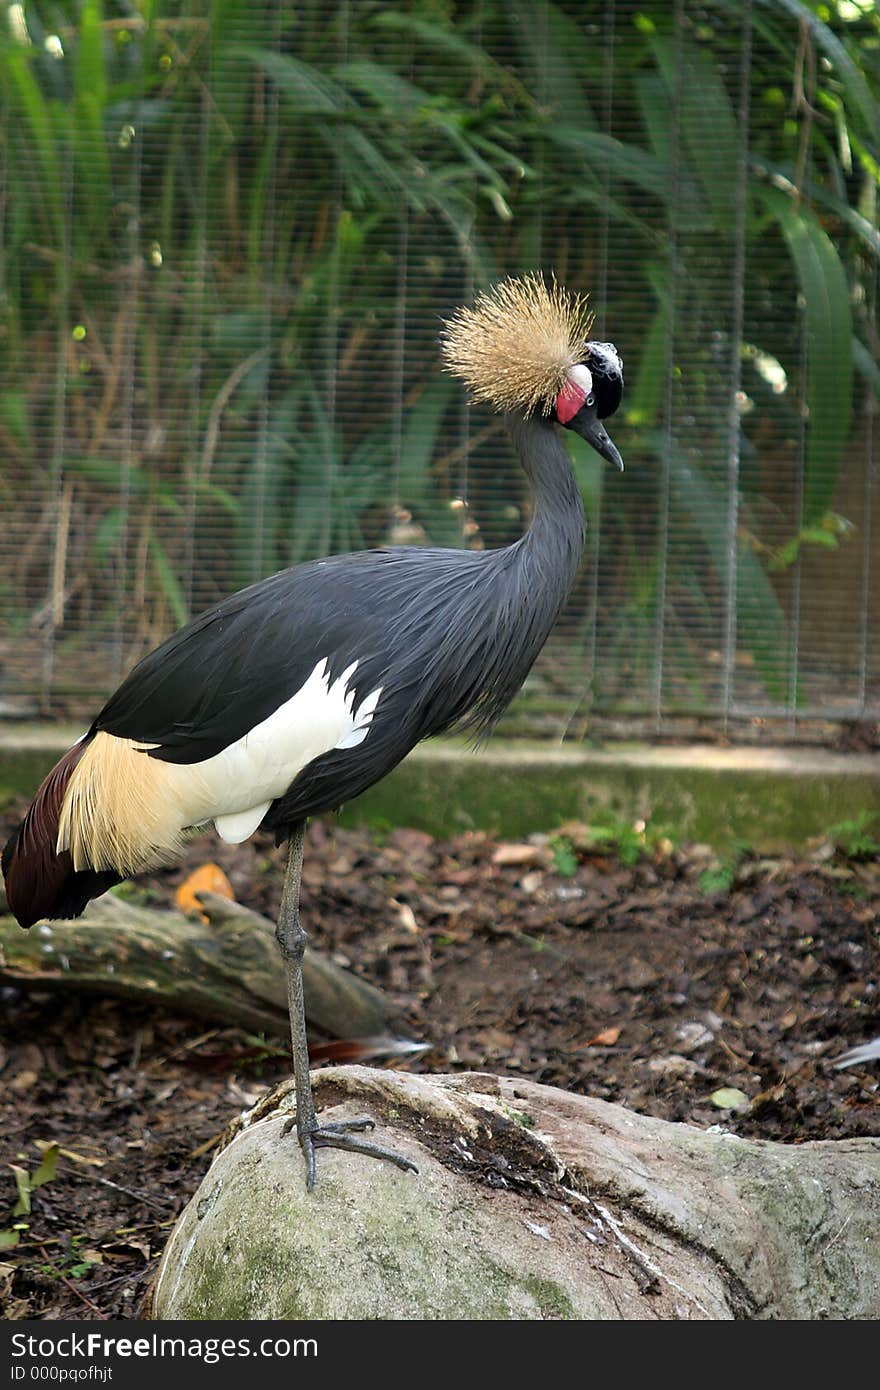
(27, 1183)
(519, 1117)
(261, 1050)
(11, 1235)
(721, 876)
(630, 840)
(74, 1263)
(828, 531)
(134, 893)
(380, 829)
(855, 838)
(564, 856)
(718, 879)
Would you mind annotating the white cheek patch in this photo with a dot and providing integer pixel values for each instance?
(582, 377)
(236, 787)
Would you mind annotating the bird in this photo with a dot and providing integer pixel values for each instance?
(292, 696)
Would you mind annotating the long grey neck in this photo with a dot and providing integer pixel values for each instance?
(496, 627)
(555, 538)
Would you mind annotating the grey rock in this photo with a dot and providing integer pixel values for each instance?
(530, 1203)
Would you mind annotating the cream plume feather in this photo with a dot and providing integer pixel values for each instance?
(515, 347)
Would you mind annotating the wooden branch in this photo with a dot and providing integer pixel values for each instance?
(227, 970)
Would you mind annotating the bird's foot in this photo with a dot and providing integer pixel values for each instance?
(343, 1135)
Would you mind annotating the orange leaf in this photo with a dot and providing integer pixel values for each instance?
(207, 878)
(607, 1038)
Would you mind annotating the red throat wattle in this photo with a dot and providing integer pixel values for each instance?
(569, 401)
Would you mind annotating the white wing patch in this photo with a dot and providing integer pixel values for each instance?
(126, 811)
(233, 829)
(363, 718)
(239, 784)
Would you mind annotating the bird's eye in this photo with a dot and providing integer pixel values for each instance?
(591, 400)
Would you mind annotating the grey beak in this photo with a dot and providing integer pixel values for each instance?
(588, 425)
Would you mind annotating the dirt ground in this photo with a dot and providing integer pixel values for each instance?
(698, 991)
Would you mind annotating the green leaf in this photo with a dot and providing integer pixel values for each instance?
(718, 880)
(419, 440)
(855, 83)
(14, 414)
(653, 98)
(564, 857)
(829, 335)
(9, 1238)
(759, 616)
(783, 178)
(383, 86)
(91, 72)
(818, 536)
(168, 581)
(864, 364)
(588, 472)
(221, 495)
(632, 164)
(730, 1098)
(708, 123)
(629, 162)
(23, 1184)
(37, 113)
(102, 472)
(828, 531)
(240, 334)
(643, 399)
(48, 1166)
(305, 89)
(107, 534)
(89, 107)
(448, 39)
(556, 52)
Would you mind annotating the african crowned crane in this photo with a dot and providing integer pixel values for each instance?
(294, 695)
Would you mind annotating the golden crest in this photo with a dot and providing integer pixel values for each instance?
(516, 345)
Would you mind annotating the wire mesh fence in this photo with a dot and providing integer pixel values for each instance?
(229, 233)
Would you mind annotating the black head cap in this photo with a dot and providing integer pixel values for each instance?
(606, 366)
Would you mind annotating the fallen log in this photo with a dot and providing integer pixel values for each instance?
(227, 970)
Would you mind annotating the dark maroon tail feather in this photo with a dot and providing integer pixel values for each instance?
(40, 883)
(366, 1049)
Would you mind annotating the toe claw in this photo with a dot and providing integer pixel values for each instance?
(348, 1126)
(342, 1135)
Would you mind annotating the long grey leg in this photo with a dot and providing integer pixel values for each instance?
(292, 940)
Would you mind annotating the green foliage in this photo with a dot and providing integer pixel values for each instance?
(565, 859)
(253, 210)
(27, 1183)
(519, 1117)
(131, 892)
(76, 1262)
(629, 841)
(827, 531)
(720, 877)
(858, 838)
(829, 332)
